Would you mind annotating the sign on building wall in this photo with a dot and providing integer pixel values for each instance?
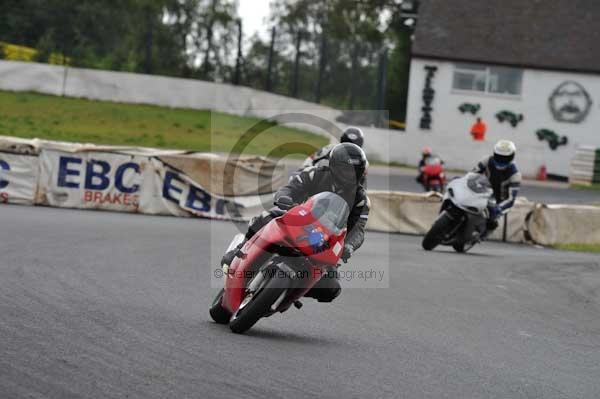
(428, 96)
(570, 103)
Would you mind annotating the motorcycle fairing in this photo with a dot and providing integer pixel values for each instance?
(297, 234)
(460, 191)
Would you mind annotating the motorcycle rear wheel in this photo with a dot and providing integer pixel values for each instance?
(259, 305)
(436, 234)
(218, 313)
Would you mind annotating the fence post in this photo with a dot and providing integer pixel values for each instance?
(238, 61)
(64, 82)
(354, 72)
(148, 65)
(296, 74)
(322, 64)
(269, 83)
(381, 85)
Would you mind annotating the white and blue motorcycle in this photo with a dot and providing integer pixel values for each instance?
(462, 222)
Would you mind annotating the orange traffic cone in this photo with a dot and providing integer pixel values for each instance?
(542, 173)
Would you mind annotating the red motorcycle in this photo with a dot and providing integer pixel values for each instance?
(433, 175)
(282, 262)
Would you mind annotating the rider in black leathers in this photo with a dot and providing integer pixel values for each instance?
(346, 169)
(352, 135)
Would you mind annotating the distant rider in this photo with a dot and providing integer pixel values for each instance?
(352, 135)
(347, 166)
(504, 177)
(425, 155)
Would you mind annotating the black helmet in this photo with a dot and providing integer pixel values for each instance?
(353, 135)
(348, 164)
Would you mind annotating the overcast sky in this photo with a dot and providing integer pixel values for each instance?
(254, 13)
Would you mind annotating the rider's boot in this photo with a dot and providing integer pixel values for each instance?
(492, 224)
(231, 255)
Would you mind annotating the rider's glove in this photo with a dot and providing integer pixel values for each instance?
(284, 202)
(495, 212)
(348, 250)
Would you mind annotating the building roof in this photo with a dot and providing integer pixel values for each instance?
(545, 34)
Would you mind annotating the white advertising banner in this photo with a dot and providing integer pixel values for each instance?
(18, 178)
(92, 180)
(175, 193)
(131, 183)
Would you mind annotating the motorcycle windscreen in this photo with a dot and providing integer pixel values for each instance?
(331, 211)
(479, 184)
(471, 192)
(433, 160)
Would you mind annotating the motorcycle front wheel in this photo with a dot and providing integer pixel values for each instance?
(436, 234)
(463, 247)
(460, 248)
(218, 313)
(258, 306)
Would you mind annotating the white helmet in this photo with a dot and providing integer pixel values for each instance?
(504, 153)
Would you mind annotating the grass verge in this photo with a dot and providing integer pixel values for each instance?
(593, 187)
(579, 247)
(30, 115)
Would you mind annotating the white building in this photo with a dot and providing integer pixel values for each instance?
(533, 63)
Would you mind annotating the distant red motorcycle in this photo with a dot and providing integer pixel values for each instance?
(433, 176)
(282, 262)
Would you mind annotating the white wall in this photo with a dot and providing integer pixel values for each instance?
(449, 134)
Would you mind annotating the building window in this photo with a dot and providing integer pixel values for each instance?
(487, 79)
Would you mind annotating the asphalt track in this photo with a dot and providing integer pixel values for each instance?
(108, 305)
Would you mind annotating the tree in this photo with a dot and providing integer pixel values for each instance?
(158, 36)
(398, 77)
(255, 64)
(336, 62)
(340, 38)
(216, 19)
